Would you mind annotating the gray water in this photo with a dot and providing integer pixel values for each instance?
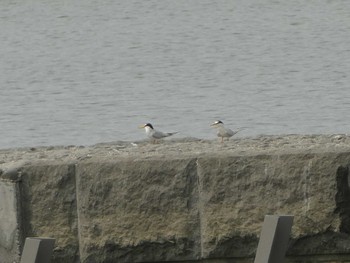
(84, 72)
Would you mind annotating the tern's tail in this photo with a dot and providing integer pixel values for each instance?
(238, 130)
(171, 133)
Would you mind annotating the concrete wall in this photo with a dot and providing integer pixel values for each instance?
(9, 232)
(207, 208)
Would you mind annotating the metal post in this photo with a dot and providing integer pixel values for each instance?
(274, 239)
(37, 250)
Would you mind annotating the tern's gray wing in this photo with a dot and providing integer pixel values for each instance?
(225, 132)
(230, 132)
(160, 135)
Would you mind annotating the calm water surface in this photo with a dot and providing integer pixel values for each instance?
(83, 72)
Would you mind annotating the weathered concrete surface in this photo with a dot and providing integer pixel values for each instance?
(238, 191)
(138, 211)
(184, 200)
(9, 222)
(48, 207)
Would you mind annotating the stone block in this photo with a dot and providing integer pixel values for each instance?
(138, 211)
(9, 227)
(178, 201)
(48, 207)
(236, 192)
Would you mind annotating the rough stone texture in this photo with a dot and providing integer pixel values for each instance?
(9, 248)
(138, 211)
(48, 207)
(239, 191)
(185, 200)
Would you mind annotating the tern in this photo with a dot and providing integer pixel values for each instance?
(154, 134)
(223, 132)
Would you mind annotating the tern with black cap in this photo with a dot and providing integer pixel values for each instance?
(223, 132)
(154, 134)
